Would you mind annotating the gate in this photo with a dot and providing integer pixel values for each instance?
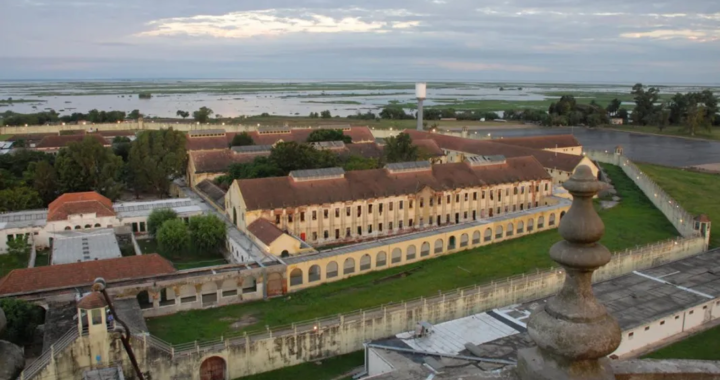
(275, 285)
(213, 368)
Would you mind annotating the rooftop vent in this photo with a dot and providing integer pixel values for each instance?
(252, 148)
(485, 160)
(274, 130)
(408, 167)
(206, 132)
(317, 174)
(321, 145)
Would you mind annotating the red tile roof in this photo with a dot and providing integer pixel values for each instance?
(94, 300)
(83, 274)
(207, 143)
(549, 160)
(277, 192)
(542, 142)
(365, 149)
(218, 161)
(429, 146)
(265, 231)
(79, 203)
(56, 141)
(357, 133)
(122, 132)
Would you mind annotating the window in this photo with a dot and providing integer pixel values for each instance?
(381, 259)
(380, 208)
(359, 231)
(370, 208)
(422, 202)
(369, 228)
(498, 210)
(290, 218)
(390, 206)
(630, 335)
(465, 215)
(401, 205)
(499, 196)
(647, 328)
(457, 198)
(447, 218)
(522, 189)
(314, 215)
(439, 201)
(410, 222)
(677, 317)
(474, 215)
(491, 195)
(515, 190)
(483, 194)
(325, 214)
(475, 195)
(96, 316)
(314, 235)
(331, 270)
(379, 227)
(546, 187)
(506, 209)
(410, 203)
(337, 212)
(337, 233)
(347, 211)
(390, 226)
(359, 211)
(347, 232)
(537, 188)
(448, 199)
(431, 201)
(691, 312)
(507, 191)
(302, 216)
(522, 206)
(662, 323)
(400, 224)
(514, 207)
(277, 219)
(325, 234)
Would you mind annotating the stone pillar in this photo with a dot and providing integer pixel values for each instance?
(574, 332)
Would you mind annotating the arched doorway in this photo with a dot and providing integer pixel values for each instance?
(275, 285)
(213, 368)
(451, 243)
(284, 253)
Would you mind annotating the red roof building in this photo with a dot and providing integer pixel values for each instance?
(88, 202)
(55, 142)
(63, 276)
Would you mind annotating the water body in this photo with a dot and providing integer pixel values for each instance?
(663, 150)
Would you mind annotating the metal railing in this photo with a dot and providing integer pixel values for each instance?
(44, 359)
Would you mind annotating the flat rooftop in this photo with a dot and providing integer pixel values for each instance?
(635, 299)
(89, 245)
(143, 209)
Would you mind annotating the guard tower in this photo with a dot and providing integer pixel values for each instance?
(93, 325)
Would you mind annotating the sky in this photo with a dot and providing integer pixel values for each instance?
(610, 41)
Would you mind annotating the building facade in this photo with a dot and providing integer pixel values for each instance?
(331, 206)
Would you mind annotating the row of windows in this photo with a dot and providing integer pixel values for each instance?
(349, 266)
(431, 220)
(662, 322)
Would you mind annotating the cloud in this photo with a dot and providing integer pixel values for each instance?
(669, 34)
(477, 66)
(276, 22)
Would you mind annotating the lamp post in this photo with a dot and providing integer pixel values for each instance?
(420, 93)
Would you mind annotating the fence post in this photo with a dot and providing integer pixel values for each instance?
(172, 352)
(197, 347)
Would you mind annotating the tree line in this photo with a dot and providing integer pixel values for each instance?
(176, 238)
(288, 156)
(51, 117)
(31, 179)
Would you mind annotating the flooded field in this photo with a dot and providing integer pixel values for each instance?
(243, 98)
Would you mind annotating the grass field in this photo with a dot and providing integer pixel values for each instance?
(184, 260)
(633, 222)
(327, 369)
(703, 346)
(696, 192)
(713, 134)
(5, 137)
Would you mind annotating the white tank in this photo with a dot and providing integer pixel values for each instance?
(420, 90)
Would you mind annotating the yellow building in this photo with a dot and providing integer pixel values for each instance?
(330, 206)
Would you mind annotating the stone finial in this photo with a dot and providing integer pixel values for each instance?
(574, 332)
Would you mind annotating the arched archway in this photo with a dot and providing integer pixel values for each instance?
(530, 225)
(438, 246)
(144, 300)
(410, 254)
(77, 227)
(476, 237)
(551, 221)
(451, 243)
(488, 235)
(285, 253)
(213, 368)
(541, 222)
(275, 284)
(464, 240)
(365, 262)
(249, 285)
(88, 226)
(331, 270)
(396, 256)
(520, 227)
(349, 266)
(381, 259)
(68, 228)
(425, 249)
(499, 232)
(97, 225)
(296, 277)
(314, 273)
(510, 230)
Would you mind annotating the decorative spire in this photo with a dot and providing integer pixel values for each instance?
(574, 332)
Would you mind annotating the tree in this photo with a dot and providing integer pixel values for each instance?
(695, 118)
(490, 116)
(400, 149)
(261, 167)
(121, 146)
(182, 114)
(394, 113)
(356, 162)
(134, 115)
(23, 319)
(314, 115)
(202, 115)
(644, 104)
(156, 159)
(325, 114)
(289, 156)
(19, 246)
(89, 166)
(173, 238)
(19, 143)
(329, 135)
(207, 232)
(144, 95)
(614, 106)
(158, 217)
(19, 198)
(44, 180)
(242, 139)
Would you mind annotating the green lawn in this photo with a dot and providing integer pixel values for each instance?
(5, 137)
(703, 346)
(634, 222)
(328, 369)
(184, 260)
(696, 192)
(713, 134)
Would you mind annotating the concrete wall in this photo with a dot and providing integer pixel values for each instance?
(147, 124)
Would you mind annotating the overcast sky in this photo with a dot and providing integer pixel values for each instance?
(617, 41)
